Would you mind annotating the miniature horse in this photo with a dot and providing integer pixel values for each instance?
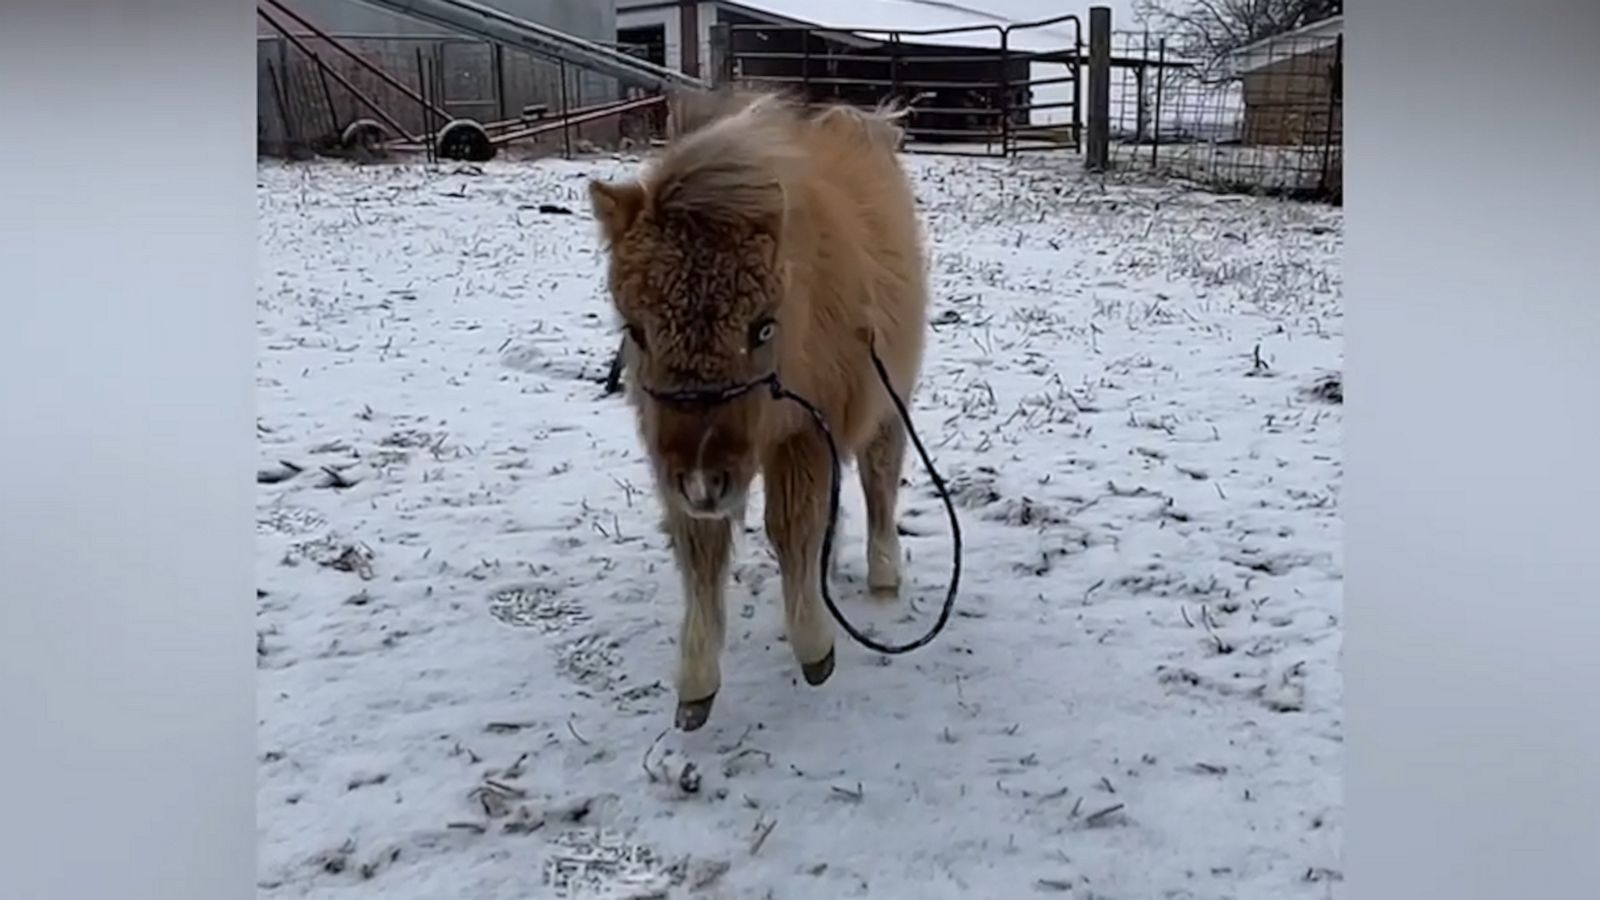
(763, 242)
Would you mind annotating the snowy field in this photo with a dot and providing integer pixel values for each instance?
(467, 613)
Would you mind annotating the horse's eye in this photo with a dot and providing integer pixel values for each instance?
(762, 332)
(636, 334)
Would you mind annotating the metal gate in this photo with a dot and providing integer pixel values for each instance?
(982, 90)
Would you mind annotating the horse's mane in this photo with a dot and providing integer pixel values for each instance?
(737, 153)
(734, 168)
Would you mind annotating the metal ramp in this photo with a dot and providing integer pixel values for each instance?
(490, 24)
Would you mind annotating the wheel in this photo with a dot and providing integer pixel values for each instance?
(364, 134)
(466, 141)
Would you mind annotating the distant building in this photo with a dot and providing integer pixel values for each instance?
(1293, 86)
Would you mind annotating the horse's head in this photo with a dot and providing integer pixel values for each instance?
(697, 280)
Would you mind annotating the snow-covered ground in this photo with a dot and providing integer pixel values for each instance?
(467, 612)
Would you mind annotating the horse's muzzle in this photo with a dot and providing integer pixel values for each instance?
(707, 493)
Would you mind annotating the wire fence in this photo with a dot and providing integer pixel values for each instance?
(1266, 119)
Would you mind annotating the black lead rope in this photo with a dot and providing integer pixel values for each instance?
(779, 392)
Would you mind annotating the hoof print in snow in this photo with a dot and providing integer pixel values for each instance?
(289, 520)
(1043, 561)
(332, 553)
(1179, 677)
(594, 862)
(361, 781)
(972, 489)
(1024, 512)
(1286, 691)
(644, 693)
(336, 860)
(371, 867)
(567, 364)
(524, 358)
(1274, 564)
(700, 874)
(414, 439)
(591, 661)
(592, 810)
(540, 606)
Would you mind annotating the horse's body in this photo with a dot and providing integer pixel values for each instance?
(766, 240)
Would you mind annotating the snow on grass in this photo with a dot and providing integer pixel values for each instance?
(1241, 167)
(467, 611)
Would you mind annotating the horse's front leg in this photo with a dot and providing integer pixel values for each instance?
(880, 466)
(797, 477)
(703, 548)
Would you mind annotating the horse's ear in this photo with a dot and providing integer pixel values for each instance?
(616, 206)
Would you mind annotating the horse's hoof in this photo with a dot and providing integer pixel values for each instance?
(886, 590)
(692, 714)
(883, 577)
(818, 672)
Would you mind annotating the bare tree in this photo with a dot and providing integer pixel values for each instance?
(1208, 30)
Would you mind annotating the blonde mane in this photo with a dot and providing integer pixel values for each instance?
(732, 168)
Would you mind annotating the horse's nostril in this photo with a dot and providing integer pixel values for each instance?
(703, 488)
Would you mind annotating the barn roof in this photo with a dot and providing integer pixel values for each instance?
(1305, 39)
(875, 19)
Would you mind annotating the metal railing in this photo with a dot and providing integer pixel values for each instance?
(983, 90)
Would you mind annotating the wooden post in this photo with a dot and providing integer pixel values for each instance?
(689, 37)
(1139, 111)
(1155, 131)
(566, 111)
(1005, 97)
(1335, 108)
(721, 54)
(497, 54)
(283, 109)
(1097, 156)
(1140, 102)
(422, 104)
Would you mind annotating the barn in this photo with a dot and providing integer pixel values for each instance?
(1293, 86)
(969, 76)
